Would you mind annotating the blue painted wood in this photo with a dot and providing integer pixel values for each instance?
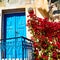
(20, 25)
(20, 31)
(10, 26)
(10, 33)
(15, 27)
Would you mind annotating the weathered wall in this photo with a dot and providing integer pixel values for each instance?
(37, 4)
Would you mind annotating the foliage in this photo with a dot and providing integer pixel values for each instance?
(46, 37)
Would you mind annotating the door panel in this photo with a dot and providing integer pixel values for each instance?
(10, 33)
(20, 31)
(10, 26)
(20, 25)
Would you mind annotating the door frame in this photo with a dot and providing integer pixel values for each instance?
(8, 11)
(3, 24)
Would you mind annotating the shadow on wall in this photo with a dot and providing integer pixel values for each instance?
(43, 12)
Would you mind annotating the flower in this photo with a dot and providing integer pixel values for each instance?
(58, 45)
(48, 35)
(54, 55)
(44, 56)
(36, 58)
(28, 23)
(35, 45)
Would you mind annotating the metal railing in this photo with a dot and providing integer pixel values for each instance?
(17, 48)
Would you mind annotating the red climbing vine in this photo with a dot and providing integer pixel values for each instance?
(46, 37)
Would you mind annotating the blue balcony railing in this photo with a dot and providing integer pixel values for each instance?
(17, 48)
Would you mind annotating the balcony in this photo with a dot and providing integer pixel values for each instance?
(16, 48)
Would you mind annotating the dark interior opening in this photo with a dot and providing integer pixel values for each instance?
(52, 1)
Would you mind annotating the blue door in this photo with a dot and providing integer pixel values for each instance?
(15, 26)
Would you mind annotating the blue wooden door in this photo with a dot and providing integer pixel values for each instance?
(15, 26)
